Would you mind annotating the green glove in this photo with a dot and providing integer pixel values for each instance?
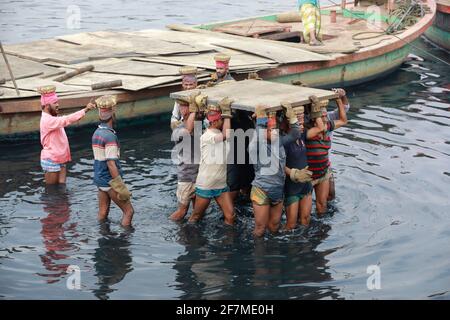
(225, 107)
(301, 176)
(289, 112)
(316, 108)
(119, 186)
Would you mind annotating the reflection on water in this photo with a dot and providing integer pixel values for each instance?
(55, 225)
(392, 177)
(112, 259)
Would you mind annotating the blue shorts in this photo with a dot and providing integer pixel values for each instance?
(210, 194)
(50, 166)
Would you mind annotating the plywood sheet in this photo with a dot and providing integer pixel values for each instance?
(139, 68)
(33, 84)
(206, 60)
(249, 93)
(252, 27)
(24, 68)
(9, 93)
(62, 52)
(273, 50)
(134, 42)
(132, 83)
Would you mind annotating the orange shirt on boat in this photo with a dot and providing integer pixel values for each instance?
(55, 145)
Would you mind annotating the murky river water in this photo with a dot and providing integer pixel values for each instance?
(392, 207)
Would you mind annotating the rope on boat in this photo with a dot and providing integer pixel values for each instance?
(405, 15)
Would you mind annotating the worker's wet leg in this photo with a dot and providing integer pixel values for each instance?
(62, 175)
(104, 204)
(332, 192)
(292, 212)
(201, 204)
(304, 210)
(226, 204)
(51, 177)
(125, 206)
(275, 217)
(322, 189)
(261, 213)
(180, 213)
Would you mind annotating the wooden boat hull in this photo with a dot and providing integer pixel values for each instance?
(19, 118)
(439, 32)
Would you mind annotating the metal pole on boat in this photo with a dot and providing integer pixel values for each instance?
(9, 69)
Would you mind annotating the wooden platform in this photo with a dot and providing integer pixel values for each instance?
(248, 94)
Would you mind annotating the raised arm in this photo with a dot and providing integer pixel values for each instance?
(334, 115)
(318, 128)
(342, 121)
(295, 132)
(64, 121)
(225, 107)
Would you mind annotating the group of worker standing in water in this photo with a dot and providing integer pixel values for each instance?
(303, 141)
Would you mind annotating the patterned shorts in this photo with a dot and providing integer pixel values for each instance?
(50, 166)
(262, 198)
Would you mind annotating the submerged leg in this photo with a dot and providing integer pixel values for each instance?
(201, 204)
(125, 206)
(226, 204)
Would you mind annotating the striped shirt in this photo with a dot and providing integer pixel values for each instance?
(317, 152)
(105, 146)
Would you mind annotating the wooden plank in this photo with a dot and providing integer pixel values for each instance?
(33, 84)
(139, 68)
(249, 93)
(252, 27)
(206, 60)
(63, 52)
(24, 68)
(134, 42)
(132, 83)
(10, 93)
(273, 50)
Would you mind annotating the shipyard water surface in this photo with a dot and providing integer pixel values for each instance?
(385, 236)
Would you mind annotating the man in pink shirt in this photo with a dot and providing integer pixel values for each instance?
(55, 145)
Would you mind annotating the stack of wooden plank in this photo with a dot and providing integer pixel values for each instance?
(248, 94)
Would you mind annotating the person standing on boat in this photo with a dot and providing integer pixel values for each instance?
(187, 151)
(222, 69)
(311, 20)
(211, 181)
(267, 153)
(298, 187)
(188, 82)
(107, 170)
(55, 144)
(318, 150)
(332, 116)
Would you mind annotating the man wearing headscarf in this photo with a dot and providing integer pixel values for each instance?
(222, 69)
(55, 145)
(188, 82)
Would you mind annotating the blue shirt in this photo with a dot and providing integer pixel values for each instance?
(105, 146)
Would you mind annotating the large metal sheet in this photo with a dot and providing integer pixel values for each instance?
(248, 94)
